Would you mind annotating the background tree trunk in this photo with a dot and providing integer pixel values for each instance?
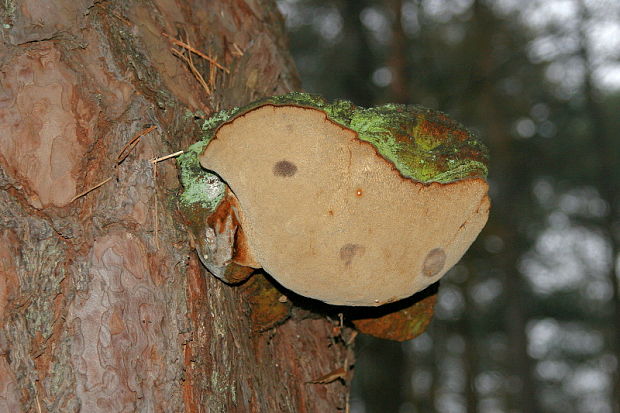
(103, 304)
(520, 365)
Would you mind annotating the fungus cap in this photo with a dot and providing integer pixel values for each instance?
(329, 217)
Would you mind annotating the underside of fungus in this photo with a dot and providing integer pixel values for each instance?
(351, 213)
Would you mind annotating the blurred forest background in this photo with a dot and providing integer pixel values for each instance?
(529, 321)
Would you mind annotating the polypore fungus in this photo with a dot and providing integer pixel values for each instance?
(348, 205)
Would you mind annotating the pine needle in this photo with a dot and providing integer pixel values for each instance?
(124, 153)
(91, 189)
(237, 50)
(163, 158)
(193, 69)
(194, 50)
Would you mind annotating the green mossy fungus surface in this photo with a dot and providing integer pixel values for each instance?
(422, 144)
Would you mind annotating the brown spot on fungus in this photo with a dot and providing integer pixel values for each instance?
(434, 262)
(349, 251)
(303, 248)
(284, 168)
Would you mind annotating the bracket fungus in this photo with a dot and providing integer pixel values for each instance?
(347, 205)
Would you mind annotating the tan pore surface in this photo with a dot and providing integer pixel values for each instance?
(330, 219)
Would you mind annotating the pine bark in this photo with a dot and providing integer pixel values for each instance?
(103, 304)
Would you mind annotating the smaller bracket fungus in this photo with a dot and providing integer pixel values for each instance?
(347, 205)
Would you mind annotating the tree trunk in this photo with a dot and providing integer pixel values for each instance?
(469, 332)
(356, 82)
(509, 185)
(103, 304)
(397, 60)
(603, 141)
